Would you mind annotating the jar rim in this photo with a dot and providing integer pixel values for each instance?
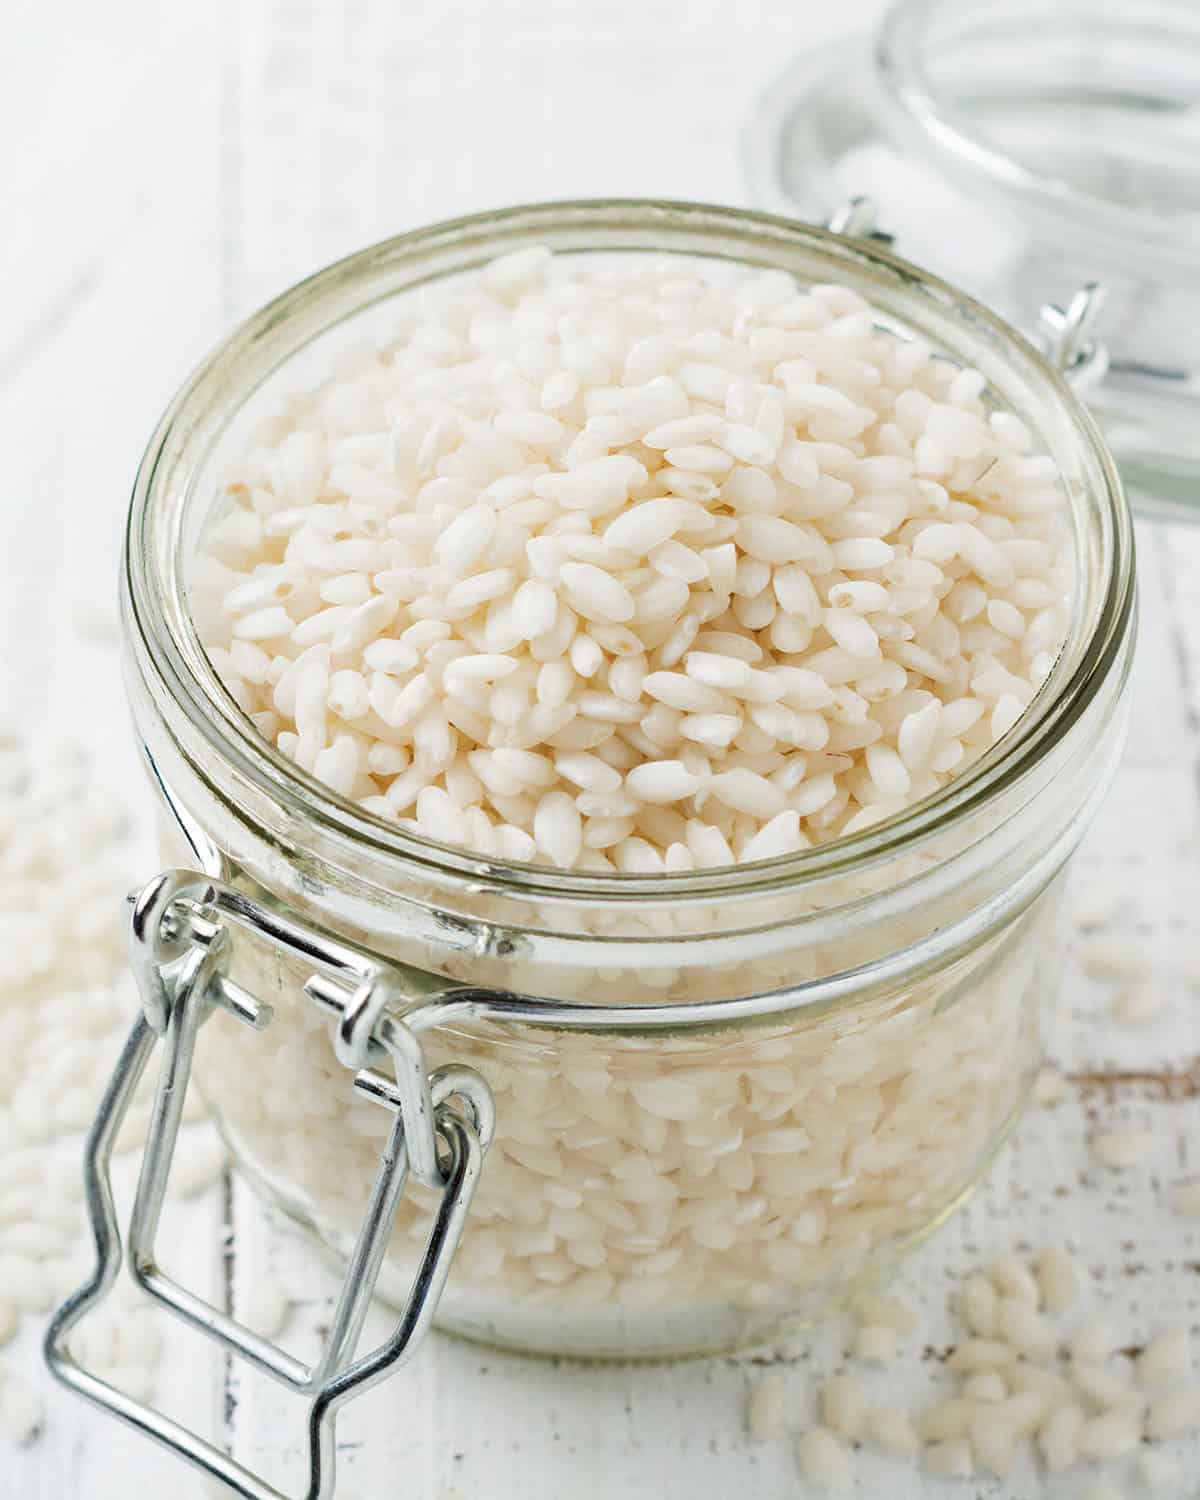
(900, 48)
(170, 658)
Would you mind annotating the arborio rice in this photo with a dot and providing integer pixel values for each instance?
(66, 1000)
(641, 570)
(629, 571)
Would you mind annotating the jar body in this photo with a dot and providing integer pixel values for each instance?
(801, 1066)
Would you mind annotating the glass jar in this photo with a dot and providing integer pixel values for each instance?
(724, 1099)
(1023, 150)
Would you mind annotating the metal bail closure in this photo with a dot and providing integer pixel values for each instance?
(857, 218)
(179, 943)
(1067, 337)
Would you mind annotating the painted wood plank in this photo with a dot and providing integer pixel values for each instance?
(230, 152)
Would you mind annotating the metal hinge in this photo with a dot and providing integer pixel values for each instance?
(179, 949)
(1067, 337)
(858, 219)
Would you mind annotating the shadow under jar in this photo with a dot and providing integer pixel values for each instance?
(802, 1065)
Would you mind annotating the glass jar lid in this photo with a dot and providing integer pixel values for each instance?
(1023, 152)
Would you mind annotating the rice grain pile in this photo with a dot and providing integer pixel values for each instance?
(634, 569)
(66, 1004)
(1029, 1392)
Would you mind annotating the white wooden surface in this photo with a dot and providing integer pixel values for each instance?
(167, 167)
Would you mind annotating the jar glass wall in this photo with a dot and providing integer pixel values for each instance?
(800, 1066)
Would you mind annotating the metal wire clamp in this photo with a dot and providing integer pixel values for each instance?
(858, 219)
(179, 947)
(1068, 337)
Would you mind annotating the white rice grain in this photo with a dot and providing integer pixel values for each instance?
(558, 829)
(986, 1387)
(1103, 1386)
(767, 1409)
(1057, 1278)
(980, 1354)
(1049, 1087)
(946, 1421)
(978, 1304)
(1122, 1148)
(876, 1345)
(949, 1460)
(824, 1462)
(1058, 1440)
(1021, 1325)
(1013, 1278)
(893, 1431)
(871, 1309)
(993, 1443)
(1110, 1437)
(1137, 1005)
(844, 1406)
(1094, 1343)
(1166, 1360)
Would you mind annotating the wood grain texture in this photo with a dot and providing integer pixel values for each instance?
(167, 168)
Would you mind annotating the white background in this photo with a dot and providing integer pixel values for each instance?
(165, 168)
